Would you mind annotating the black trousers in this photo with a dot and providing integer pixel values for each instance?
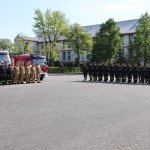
(135, 78)
(90, 75)
(85, 75)
(129, 78)
(142, 78)
(111, 77)
(117, 76)
(95, 76)
(124, 78)
(100, 76)
(106, 77)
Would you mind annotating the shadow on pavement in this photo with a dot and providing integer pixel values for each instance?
(112, 83)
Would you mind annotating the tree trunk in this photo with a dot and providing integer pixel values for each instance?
(78, 59)
(51, 53)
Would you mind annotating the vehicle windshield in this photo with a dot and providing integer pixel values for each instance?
(4, 57)
(41, 61)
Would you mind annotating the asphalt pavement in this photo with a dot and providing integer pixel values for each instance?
(65, 113)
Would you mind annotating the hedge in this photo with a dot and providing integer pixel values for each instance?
(64, 70)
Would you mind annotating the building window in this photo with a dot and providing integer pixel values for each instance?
(122, 40)
(64, 55)
(69, 57)
(131, 38)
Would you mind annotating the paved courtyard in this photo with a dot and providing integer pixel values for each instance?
(64, 113)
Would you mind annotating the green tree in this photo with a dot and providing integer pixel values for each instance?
(80, 41)
(141, 42)
(107, 41)
(120, 56)
(6, 44)
(131, 53)
(51, 25)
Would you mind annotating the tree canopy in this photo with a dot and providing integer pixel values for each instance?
(141, 41)
(106, 42)
(50, 25)
(6, 44)
(80, 41)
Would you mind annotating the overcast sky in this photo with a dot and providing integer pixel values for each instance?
(16, 16)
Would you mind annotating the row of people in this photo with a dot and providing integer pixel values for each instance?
(19, 73)
(117, 72)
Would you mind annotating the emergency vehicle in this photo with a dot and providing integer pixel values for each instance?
(4, 57)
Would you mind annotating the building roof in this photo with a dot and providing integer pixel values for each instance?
(27, 38)
(126, 27)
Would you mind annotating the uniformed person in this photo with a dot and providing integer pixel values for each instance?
(100, 70)
(129, 72)
(146, 74)
(124, 73)
(111, 72)
(85, 71)
(22, 73)
(142, 73)
(117, 72)
(1, 72)
(38, 72)
(28, 72)
(33, 73)
(135, 73)
(106, 72)
(16, 73)
(10, 74)
(4, 73)
(90, 69)
(95, 71)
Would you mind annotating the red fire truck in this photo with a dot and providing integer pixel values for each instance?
(40, 59)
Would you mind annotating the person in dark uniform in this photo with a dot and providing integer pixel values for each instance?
(129, 72)
(95, 71)
(0, 72)
(106, 72)
(142, 73)
(146, 74)
(124, 73)
(120, 72)
(117, 72)
(135, 73)
(4, 73)
(100, 72)
(9, 74)
(111, 72)
(90, 70)
(85, 71)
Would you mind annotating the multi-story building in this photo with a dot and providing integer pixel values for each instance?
(67, 54)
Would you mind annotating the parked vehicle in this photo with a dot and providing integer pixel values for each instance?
(4, 56)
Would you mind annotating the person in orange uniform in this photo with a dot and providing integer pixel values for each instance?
(28, 72)
(22, 73)
(38, 71)
(16, 73)
(33, 73)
